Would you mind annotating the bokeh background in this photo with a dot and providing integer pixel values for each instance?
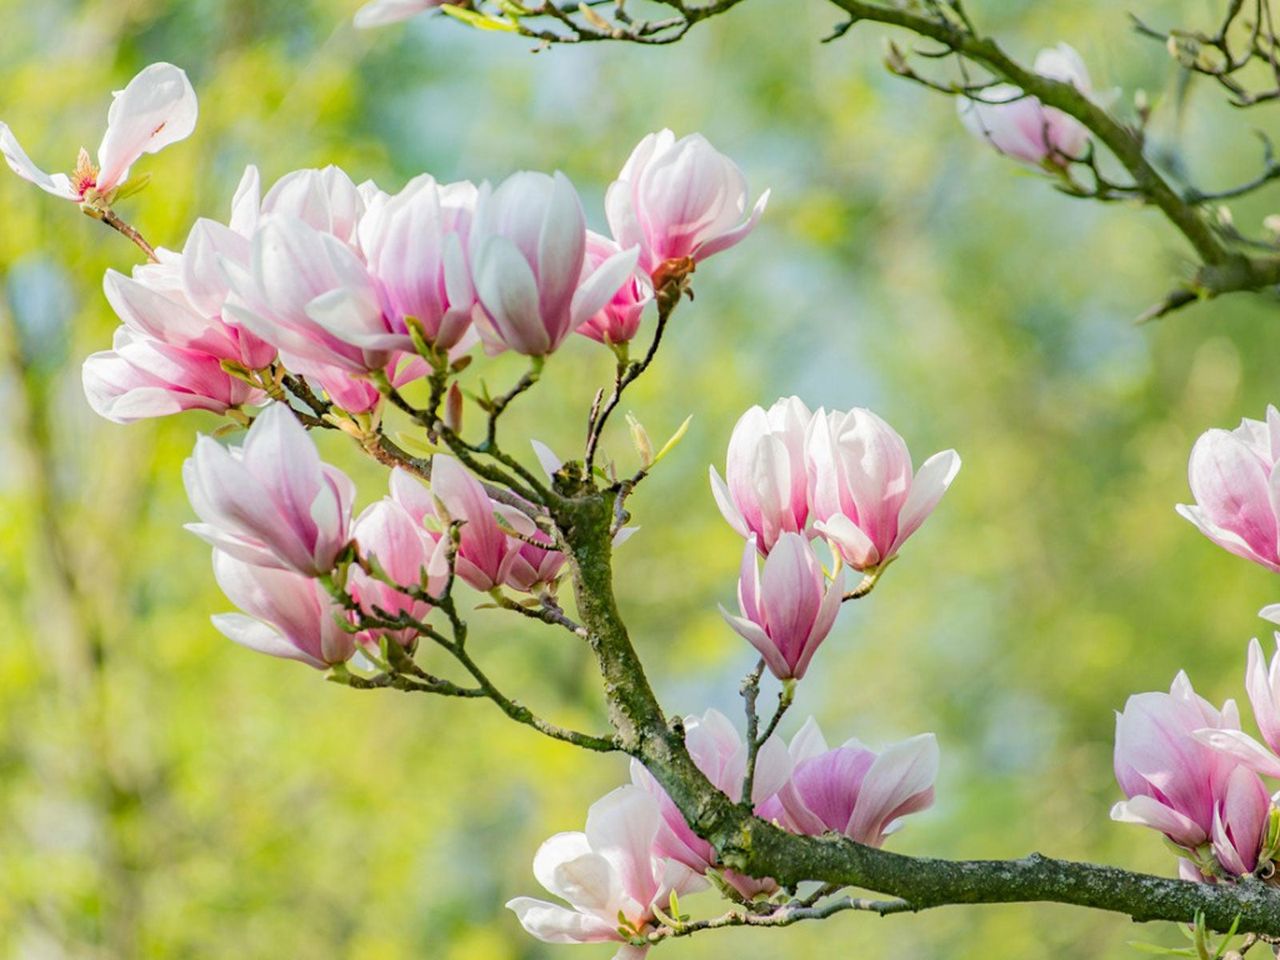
(164, 793)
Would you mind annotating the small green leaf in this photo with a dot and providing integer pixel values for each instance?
(478, 20)
(675, 438)
(416, 445)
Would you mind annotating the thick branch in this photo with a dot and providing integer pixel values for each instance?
(1119, 139)
(751, 846)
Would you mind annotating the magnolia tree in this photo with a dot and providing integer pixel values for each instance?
(323, 304)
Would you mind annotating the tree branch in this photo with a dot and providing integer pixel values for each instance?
(749, 845)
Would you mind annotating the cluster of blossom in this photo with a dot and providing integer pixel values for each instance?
(280, 520)
(618, 877)
(792, 476)
(335, 280)
(1187, 768)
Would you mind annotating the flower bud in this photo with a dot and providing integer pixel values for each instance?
(1020, 126)
(679, 200)
(765, 493)
(789, 609)
(863, 495)
(1233, 479)
(528, 247)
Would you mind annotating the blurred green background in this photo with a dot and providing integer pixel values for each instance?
(164, 793)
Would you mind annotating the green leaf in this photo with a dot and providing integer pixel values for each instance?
(478, 20)
(675, 438)
(415, 445)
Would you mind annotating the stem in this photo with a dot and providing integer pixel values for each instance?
(668, 299)
(113, 220)
(784, 916)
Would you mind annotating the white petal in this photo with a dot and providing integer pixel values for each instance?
(57, 184)
(157, 108)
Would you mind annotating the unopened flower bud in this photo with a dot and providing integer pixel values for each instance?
(640, 439)
(453, 409)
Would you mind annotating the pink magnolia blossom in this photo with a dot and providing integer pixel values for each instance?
(608, 876)
(679, 199)
(142, 377)
(167, 356)
(1020, 126)
(272, 502)
(537, 565)
(486, 553)
(414, 244)
(157, 108)
(180, 300)
(853, 790)
(310, 295)
(619, 319)
(1237, 490)
(380, 13)
(863, 494)
(767, 487)
(789, 609)
(720, 753)
(285, 614)
(1182, 786)
(407, 553)
(528, 247)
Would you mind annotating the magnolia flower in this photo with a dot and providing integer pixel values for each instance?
(853, 790)
(619, 319)
(271, 502)
(285, 614)
(789, 609)
(528, 247)
(157, 108)
(1262, 683)
(414, 245)
(1175, 783)
(486, 554)
(180, 300)
(1021, 126)
(767, 490)
(610, 876)
(720, 753)
(142, 377)
(168, 354)
(1236, 489)
(380, 13)
(679, 199)
(309, 294)
(407, 553)
(862, 492)
(537, 565)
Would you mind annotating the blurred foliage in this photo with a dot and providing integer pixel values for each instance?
(166, 794)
